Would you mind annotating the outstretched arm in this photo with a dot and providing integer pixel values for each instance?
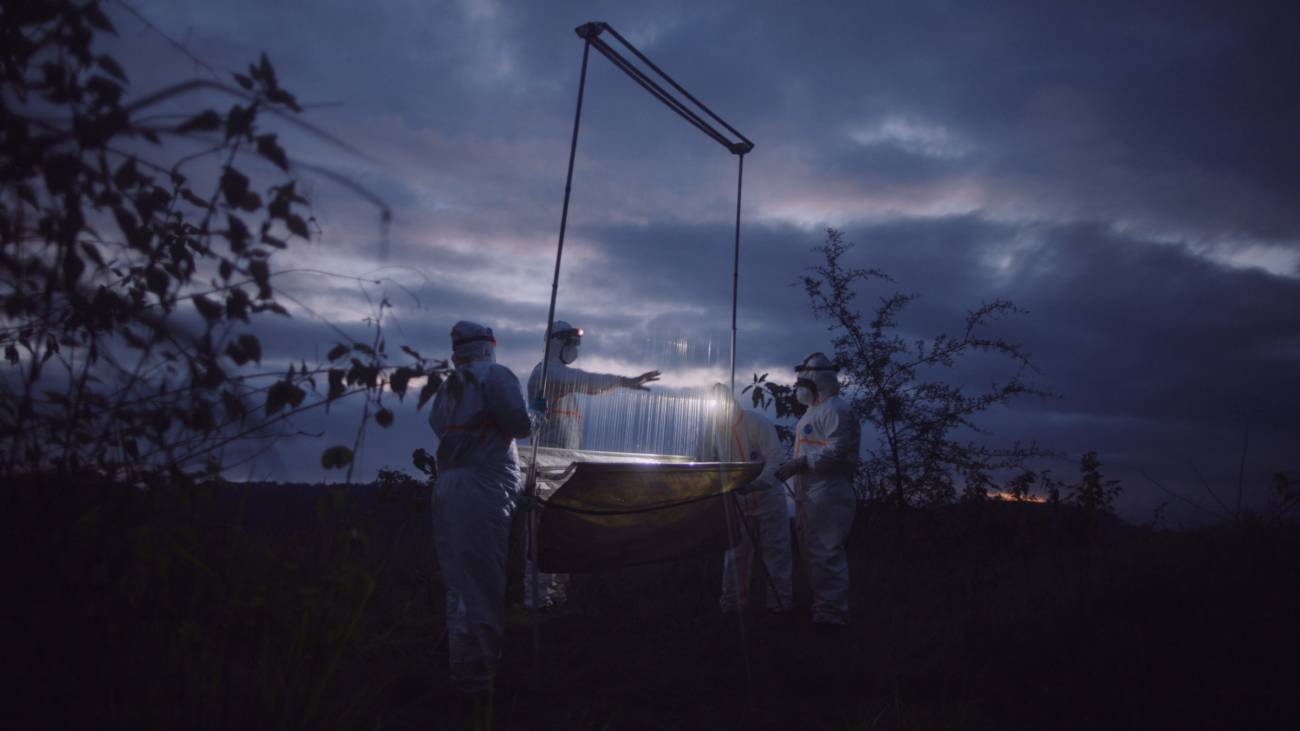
(563, 379)
(575, 380)
(638, 382)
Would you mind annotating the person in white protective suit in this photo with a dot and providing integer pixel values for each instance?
(563, 383)
(477, 424)
(738, 435)
(825, 459)
(563, 425)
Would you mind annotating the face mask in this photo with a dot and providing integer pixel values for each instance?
(568, 354)
(805, 396)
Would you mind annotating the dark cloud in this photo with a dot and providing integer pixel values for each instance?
(1126, 172)
(1160, 358)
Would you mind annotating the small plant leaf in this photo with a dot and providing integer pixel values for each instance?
(336, 457)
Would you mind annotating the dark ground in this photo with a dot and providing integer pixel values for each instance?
(265, 606)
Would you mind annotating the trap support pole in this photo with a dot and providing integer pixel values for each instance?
(530, 484)
(735, 142)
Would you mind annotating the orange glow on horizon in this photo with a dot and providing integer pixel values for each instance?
(1008, 497)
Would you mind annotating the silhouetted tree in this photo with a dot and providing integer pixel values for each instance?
(914, 452)
(1286, 485)
(137, 253)
(1093, 492)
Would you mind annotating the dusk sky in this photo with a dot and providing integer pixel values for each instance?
(1128, 173)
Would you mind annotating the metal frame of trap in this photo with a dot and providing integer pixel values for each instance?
(662, 87)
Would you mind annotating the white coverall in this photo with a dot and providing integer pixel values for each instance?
(563, 428)
(750, 437)
(474, 496)
(563, 415)
(828, 437)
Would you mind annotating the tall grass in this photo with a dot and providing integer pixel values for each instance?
(298, 607)
(216, 606)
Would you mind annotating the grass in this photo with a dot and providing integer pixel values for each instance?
(264, 606)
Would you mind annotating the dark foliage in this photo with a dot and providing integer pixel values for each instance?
(917, 441)
(138, 241)
(301, 606)
(216, 605)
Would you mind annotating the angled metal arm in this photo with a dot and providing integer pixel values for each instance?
(736, 143)
(693, 112)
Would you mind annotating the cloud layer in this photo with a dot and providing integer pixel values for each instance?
(1128, 174)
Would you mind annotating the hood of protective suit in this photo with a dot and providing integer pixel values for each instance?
(473, 342)
(563, 331)
(565, 339)
(819, 369)
(726, 405)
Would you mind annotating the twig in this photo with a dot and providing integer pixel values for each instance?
(1206, 484)
(200, 84)
(1142, 471)
(1241, 471)
(175, 44)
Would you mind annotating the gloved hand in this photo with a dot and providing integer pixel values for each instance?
(537, 413)
(746, 488)
(796, 466)
(639, 382)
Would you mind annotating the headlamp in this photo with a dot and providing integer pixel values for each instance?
(568, 335)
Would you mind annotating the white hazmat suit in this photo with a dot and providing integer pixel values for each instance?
(563, 383)
(746, 436)
(563, 427)
(827, 442)
(474, 497)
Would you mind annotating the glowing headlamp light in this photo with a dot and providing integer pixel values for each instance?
(572, 334)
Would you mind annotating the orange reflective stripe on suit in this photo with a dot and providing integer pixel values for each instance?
(801, 441)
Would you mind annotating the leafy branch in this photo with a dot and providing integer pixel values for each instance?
(900, 389)
(102, 240)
